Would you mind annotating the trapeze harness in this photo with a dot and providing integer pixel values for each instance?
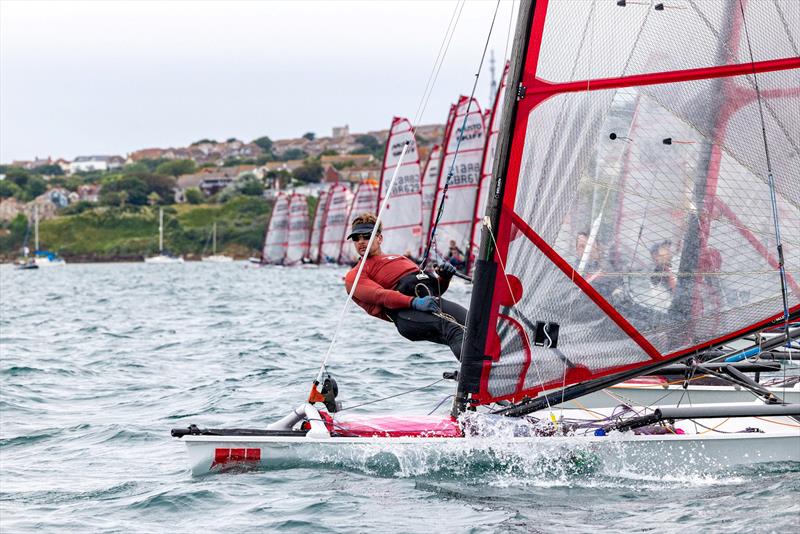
(387, 286)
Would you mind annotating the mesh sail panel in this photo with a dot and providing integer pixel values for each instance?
(277, 231)
(637, 218)
(335, 226)
(429, 178)
(463, 155)
(297, 246)
(599, 39)
(402, 217)
(364, 201)
(316, 228)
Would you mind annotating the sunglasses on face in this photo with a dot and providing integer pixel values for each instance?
(359, 237)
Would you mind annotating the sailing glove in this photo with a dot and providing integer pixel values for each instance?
(446, 269)
(425, 304)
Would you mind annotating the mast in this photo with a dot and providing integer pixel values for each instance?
(36, 227)
(214, 239)
(160, 230)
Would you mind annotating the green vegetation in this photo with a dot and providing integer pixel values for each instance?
(176, 167)
(21, 184)
(131, 232)
(310, 171)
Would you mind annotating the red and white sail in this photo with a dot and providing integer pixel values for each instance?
(463, 155)
(492, 128)
(298, 235)
(402, 217)
(276, 239)
(616, 255)
(364, 201)
(335, 225)
(429, 178)
(316, 227)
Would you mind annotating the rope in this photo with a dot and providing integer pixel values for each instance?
(361, 264)
(450, 171)
(437, 65)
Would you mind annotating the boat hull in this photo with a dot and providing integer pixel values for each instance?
(635, 453)
(163, 260)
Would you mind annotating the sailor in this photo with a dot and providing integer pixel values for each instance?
(393, 288)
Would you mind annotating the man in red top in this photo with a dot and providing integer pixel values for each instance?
(393, 288)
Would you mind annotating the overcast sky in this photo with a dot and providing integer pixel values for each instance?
(110, 77)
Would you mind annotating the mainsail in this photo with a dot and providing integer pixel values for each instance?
(603, 262)
(335, 223)
(402, 217)
(492, 129)
(277, 231)
(464, 145)
(297, 242)
(364, 201)
(430, 176)
(316, 227)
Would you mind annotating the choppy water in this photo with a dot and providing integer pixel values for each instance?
(98, 362)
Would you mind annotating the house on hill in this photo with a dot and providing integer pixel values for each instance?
(96, 163)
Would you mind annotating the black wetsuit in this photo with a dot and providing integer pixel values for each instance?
(425, 326)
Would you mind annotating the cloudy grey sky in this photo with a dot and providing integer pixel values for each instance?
(110, 77)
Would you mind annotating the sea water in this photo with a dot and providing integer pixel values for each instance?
(99, 362)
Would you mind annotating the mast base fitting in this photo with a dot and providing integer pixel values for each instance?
(450, 375)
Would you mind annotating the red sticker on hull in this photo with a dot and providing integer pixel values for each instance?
(235, 456)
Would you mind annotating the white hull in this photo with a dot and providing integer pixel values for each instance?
(218, 259)
(696, 450)
(47, 262)
(163, 259)
(649, 395)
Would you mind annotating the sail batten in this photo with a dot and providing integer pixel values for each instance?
(637, 241)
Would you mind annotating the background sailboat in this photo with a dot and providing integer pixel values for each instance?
(277, 234)
(216, 258)
(43, 258)
(402, 219)
(463, 153)
(164, 256)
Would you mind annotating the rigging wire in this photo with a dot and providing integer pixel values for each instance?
(437, 65)
(395, 396)
(770, 176)
(361, 264)
(450, 172)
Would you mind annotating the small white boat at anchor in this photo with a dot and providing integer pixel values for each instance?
(163, 256)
